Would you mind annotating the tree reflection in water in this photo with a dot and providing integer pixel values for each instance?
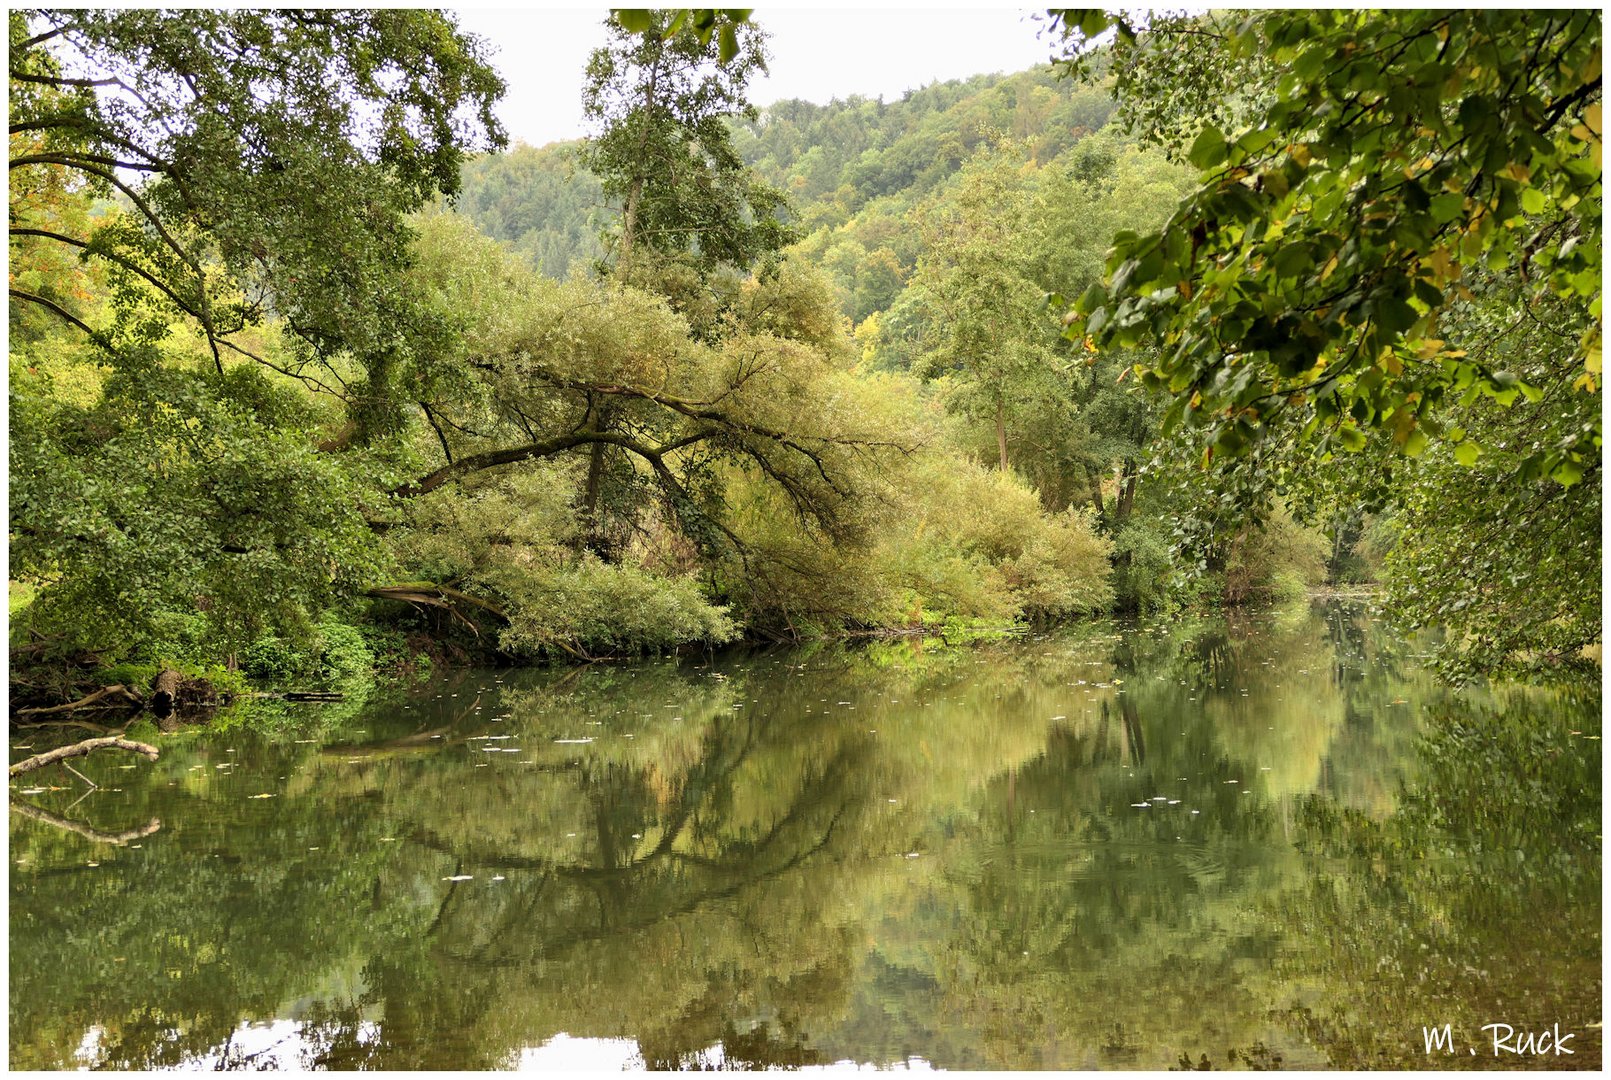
(1105, 848)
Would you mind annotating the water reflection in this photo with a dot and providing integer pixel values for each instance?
(1104, 848)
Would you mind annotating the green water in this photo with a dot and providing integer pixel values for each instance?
(1107, 847)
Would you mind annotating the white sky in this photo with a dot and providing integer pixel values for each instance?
(819, 52)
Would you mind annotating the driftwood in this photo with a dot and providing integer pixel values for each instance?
(115, 696)
(79, 749)
(34, 812)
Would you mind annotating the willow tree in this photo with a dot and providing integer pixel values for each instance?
(661, 94)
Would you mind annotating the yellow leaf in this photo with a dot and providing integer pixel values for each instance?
(1591, 117)
(1300, 154)
(1584, 382)
(1331, 264)
(1390, 363)
(1443, 265)
(1517, 172)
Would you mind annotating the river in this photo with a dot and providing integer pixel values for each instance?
(1272, 840)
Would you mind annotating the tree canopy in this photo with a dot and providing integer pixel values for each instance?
(1318, 277)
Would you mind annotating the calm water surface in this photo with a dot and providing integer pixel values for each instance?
(1273, 841)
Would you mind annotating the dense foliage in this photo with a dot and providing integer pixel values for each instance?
(722, 371)
(1393, 252)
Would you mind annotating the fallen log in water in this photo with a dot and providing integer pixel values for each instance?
(80, 749)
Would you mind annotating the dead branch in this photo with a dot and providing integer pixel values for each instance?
(80, 749)
(126, 698)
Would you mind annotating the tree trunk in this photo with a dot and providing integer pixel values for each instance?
(629, 218)
(1001, 432)
(165, 692)
(88, 746)
(1127, 491)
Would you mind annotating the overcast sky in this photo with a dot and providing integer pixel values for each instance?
(818, 53)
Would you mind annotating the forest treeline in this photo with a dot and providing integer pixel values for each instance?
(305, 384)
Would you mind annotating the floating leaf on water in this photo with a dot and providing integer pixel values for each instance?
(1142, 805)
(573, 742)
(33, 791)
(497, 877)
(460, 877)
(265, 795)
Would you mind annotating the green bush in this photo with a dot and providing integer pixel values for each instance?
(273, 660)
(594, 607)
(343, 652)
(1281, 561)
(1144, 573)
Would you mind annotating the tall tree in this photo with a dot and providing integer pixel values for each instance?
(267, 157)
(661, 94)
(987, 331)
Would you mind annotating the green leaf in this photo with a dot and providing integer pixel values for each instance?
(1567, 473)
(634, 20)
(1395, 315)
(1532, 200)
(1467, 452)
(728, 43)
(1208, 149)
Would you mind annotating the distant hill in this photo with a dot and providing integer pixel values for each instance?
(854, 169)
